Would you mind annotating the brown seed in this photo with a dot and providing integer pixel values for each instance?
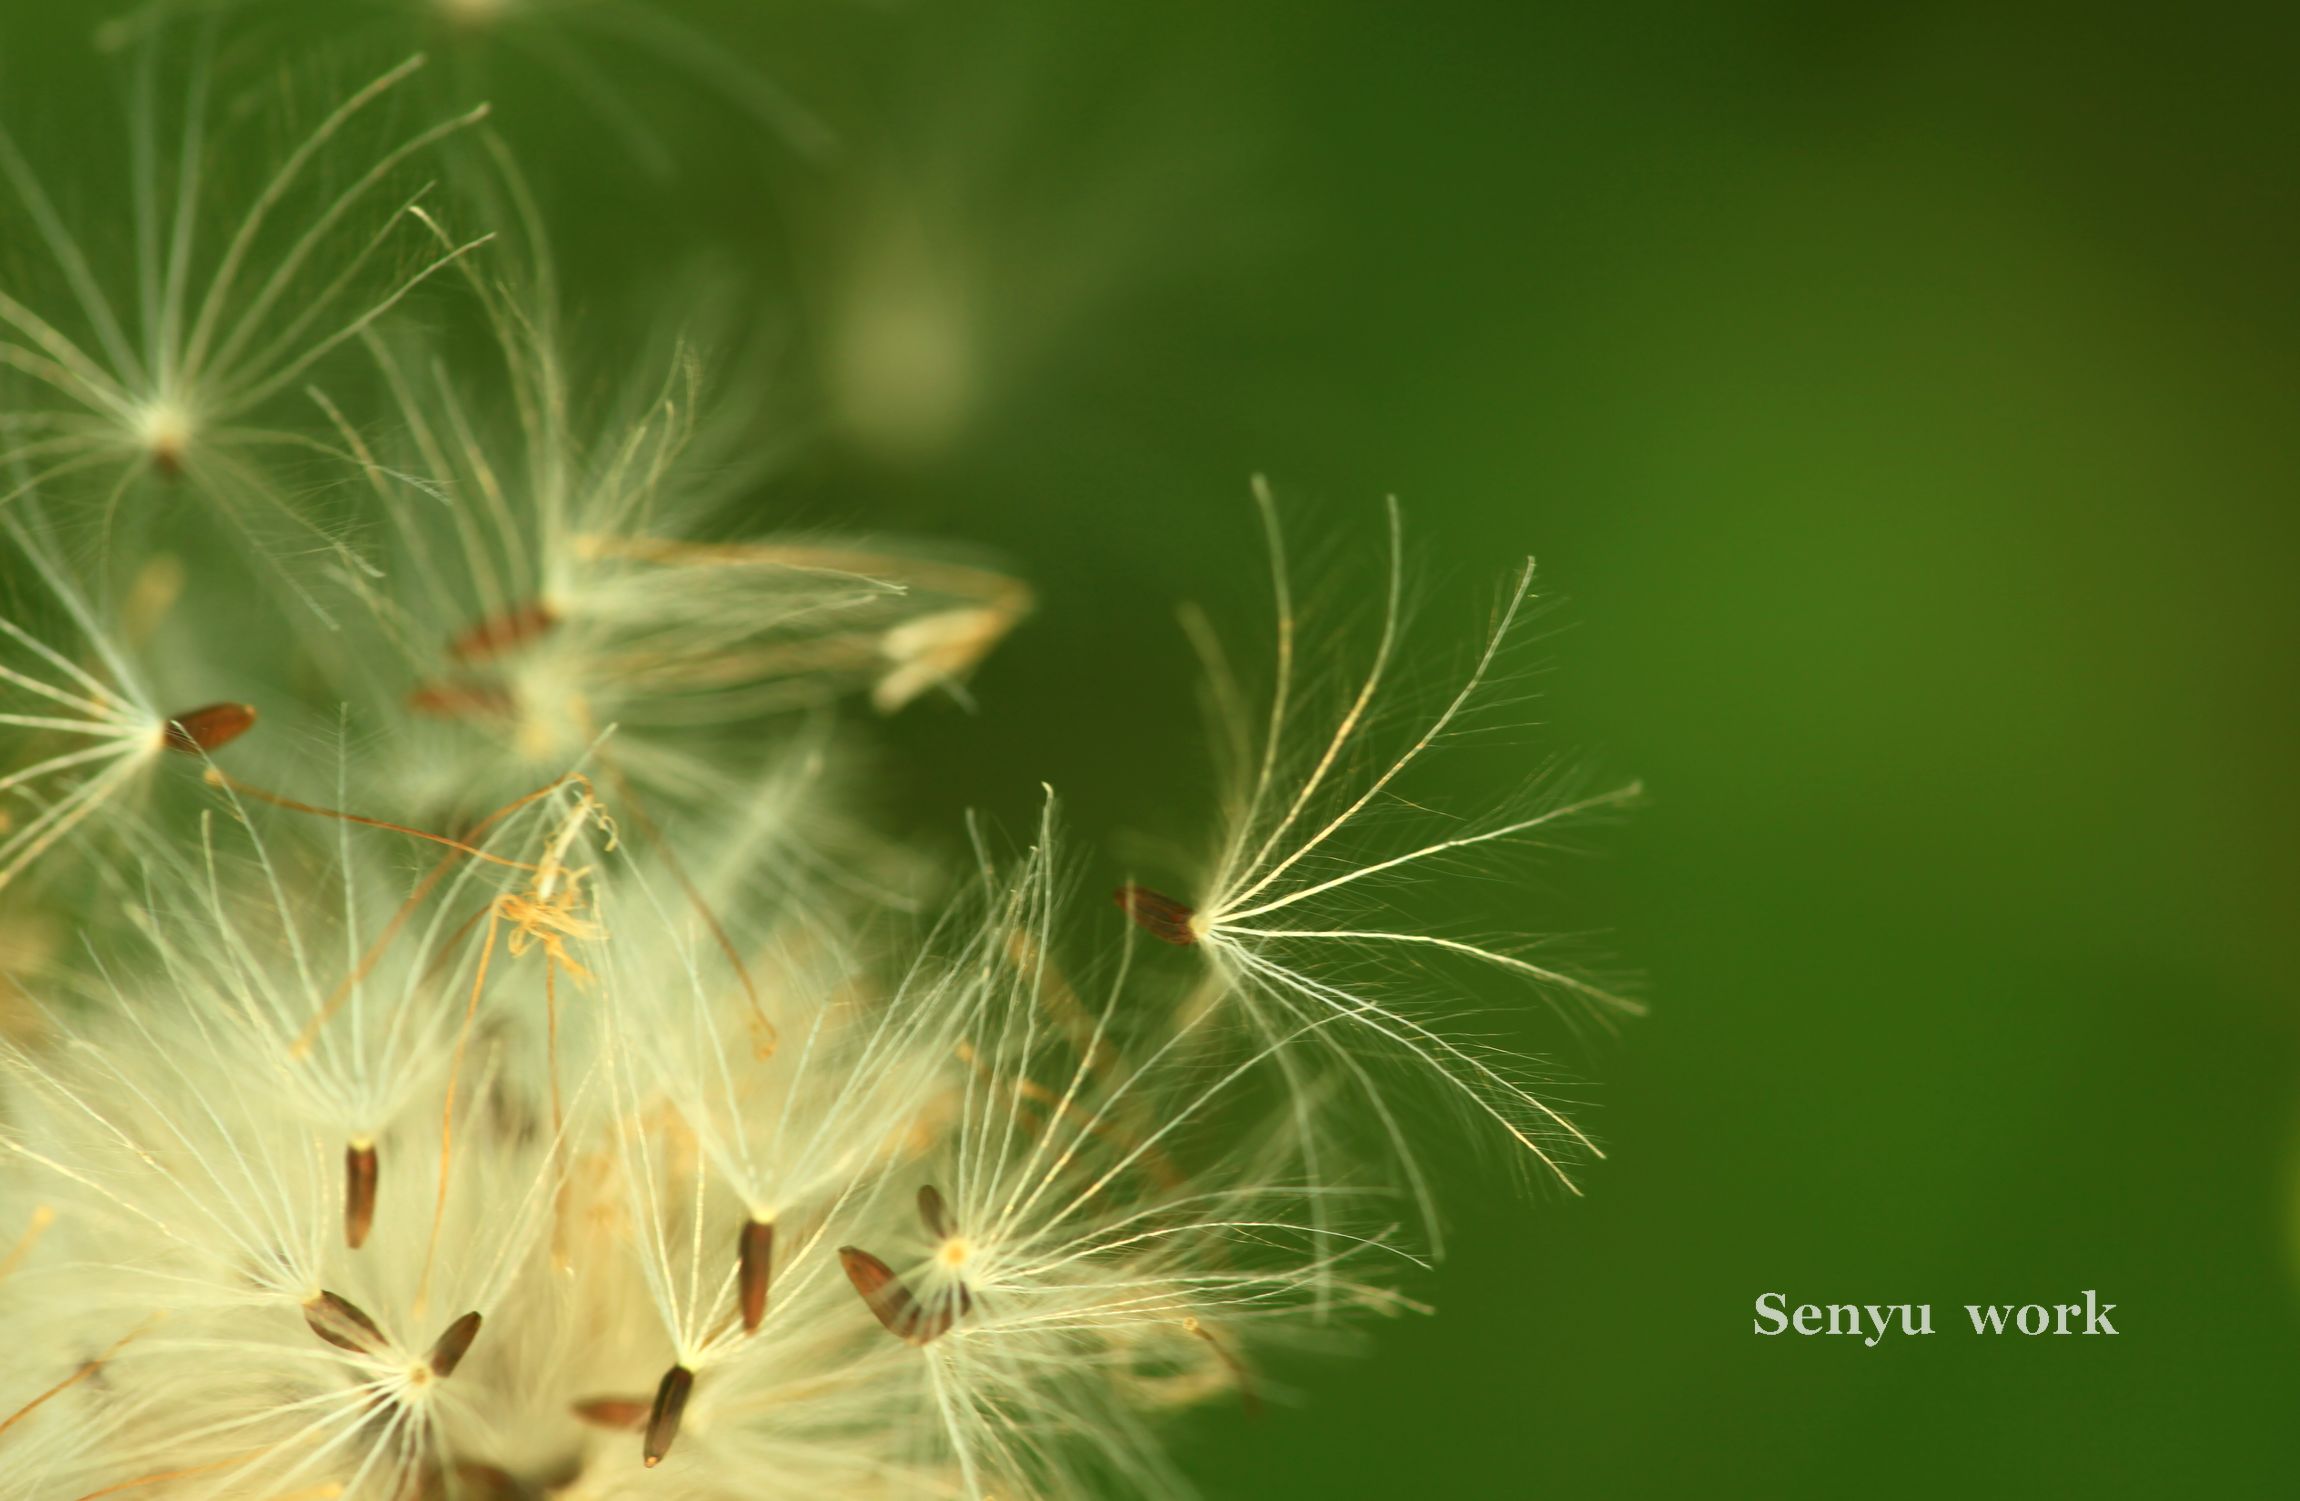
(359, 1171)
(448, 1353)
(498, 634)
(1158, 914)
(670, 1406)
(209, 728)
(934, 1213)
(755, 1260)
(340, 1322)
(886, 1296)
(462, 699)
(628, 1413)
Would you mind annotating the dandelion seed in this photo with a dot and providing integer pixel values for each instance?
(755, 1262)
(448, 1352)
(1301, 849)
(794, 1132)
(1159, 915)
(187, 390)
(670, 1407)
(891, 1302)
(1046, 1245)
(104, 710)
(342, 1324)
(221, 1197)
(201, 732)
(569, 552)
(351, 1044)
(359, 1181)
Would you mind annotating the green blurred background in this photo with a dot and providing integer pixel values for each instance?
(1903, 397)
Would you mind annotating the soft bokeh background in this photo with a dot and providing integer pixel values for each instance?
(1903, 397)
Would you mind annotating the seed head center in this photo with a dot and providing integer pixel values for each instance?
(165, 431)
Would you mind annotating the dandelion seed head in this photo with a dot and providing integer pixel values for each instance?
(578, 1151)
(190, 370)
(483, 1049)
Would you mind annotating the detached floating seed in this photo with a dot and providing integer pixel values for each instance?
(755, 1263)
(1159, 915)
(448, 1352)
(359, 1174)
(340, 1322)
(670, 1406)
(209, 728)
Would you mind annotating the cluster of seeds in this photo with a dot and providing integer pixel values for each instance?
(457, 1036)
